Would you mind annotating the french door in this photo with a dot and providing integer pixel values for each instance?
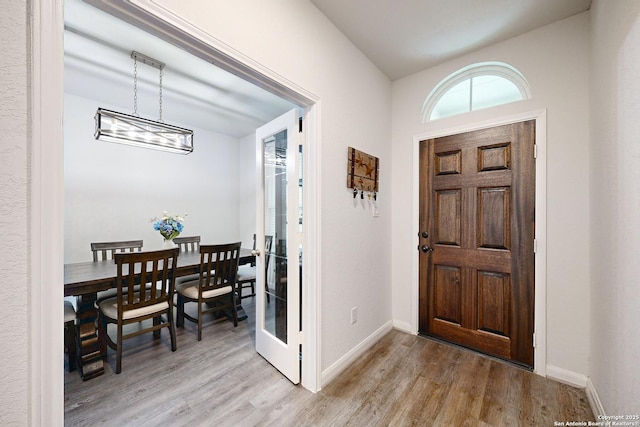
(278, 268)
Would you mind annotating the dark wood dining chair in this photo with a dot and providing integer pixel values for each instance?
(188, 244)
(247, 273)
(214, 290)
(106, 250)
(143, 303)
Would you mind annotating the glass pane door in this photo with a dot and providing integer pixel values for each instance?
(277, 265)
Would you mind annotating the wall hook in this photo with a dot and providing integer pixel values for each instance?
(375, 196)
(362, 194)
(355, 192)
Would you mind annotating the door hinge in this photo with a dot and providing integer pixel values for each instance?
(300, 338)
(534, 340)
(535, 151)
(535, 246)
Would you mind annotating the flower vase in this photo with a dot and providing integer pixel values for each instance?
(168, 244)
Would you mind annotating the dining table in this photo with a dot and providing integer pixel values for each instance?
(85, 279)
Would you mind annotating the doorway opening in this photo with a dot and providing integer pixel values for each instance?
(191, 45)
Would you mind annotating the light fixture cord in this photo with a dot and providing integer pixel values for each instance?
(135, 86)
(160, 96)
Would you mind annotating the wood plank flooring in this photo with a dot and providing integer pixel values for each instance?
(403, 380)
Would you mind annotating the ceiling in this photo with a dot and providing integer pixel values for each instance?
(407, 36)
(195, 93)
(399, 40)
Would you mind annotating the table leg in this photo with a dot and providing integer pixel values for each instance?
(90, 364)
(242, 315)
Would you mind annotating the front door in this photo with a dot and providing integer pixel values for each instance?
(277, 271)
(476, 240)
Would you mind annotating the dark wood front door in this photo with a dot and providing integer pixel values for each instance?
(477, 207)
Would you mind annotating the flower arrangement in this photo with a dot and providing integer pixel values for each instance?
(170, 226)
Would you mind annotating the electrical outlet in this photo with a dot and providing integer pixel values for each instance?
(354, 315)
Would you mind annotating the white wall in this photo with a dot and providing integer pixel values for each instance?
(247, 189)
(14, 212)
(113, 190)
(615, 204)
(295, 40)
(554, 59)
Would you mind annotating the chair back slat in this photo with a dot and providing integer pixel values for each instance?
(153, 271)
(106, 250)
(268, 242)
(188, 244)
(218, 266)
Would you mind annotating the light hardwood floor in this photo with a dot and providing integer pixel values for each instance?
(402, 380)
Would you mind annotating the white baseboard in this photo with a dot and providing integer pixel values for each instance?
(594, 401)
(345, 361)
(581, 381)
(404, 327)
(567, 377)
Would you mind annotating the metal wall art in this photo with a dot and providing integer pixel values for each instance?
(362, 173)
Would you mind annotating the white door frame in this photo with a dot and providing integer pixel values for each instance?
(540, 312)
(46, 394)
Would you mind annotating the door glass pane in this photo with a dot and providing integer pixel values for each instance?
(275, 225)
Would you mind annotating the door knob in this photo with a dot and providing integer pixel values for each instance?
(255, 252)
(425, 249)
(424, 234)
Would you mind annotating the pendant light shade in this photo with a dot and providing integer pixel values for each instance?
(140, 132)
(134, 130)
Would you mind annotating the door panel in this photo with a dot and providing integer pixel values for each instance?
(277, 273)
(448, 294)
(448, 211)
(494, 290)
(477, 201)
(494, 225)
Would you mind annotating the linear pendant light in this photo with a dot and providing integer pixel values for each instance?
(134, 130)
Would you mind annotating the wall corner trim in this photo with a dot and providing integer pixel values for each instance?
(404, 327)
(566, 376)
(594, 400)
(350, 357)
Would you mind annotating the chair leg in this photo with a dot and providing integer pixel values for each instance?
(199, 321)
(180, 312)
(172, 329)
(156, 322)
(119, 350)
(235, 311)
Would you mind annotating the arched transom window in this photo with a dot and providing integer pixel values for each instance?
(475, 87)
